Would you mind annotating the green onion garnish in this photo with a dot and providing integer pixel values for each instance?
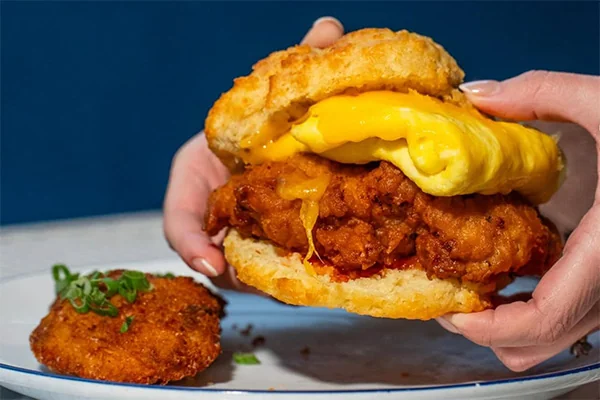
(245, 358)
(92, 292)
(168, 275)
(126, 324)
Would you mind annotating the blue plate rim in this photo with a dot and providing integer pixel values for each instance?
(548, 375)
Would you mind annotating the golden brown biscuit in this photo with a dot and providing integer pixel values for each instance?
(398, 294)
(283, 85)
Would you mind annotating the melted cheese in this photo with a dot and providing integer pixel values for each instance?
(445, 149)
(310, 191)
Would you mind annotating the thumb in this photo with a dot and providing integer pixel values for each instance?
(542, 95)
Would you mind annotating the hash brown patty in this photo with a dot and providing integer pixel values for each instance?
(175, 333)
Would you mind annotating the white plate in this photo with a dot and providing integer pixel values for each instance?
(351, 357)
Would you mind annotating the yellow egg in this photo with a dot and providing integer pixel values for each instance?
(445, 149)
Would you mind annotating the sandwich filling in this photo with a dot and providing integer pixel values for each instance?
(367, 218)
(445, 149)
(382, 179)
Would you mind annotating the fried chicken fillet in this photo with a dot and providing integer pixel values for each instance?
(372, 216)
(175, 333)
(363, 179)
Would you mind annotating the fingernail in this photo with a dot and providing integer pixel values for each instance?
(328, 19)
(203, 266)
(446, 324)
(481, 88)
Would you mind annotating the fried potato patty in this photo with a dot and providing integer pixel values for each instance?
(373, 215)
(174, 334)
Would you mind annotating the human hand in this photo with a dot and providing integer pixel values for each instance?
(195, 173)
(565, 306)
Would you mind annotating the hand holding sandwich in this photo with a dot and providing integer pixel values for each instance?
(565, 305)
(565, 301)
(195, 173)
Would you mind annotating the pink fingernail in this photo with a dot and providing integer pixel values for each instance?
(204, 267)
(481, 88)
(443, 321)
(328, 19)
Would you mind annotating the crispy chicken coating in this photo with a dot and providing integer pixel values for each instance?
(373, 215)
(174, 334)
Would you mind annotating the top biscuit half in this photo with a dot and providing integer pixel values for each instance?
(284, 85)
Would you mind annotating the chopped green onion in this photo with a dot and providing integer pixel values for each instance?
(127, 290)
(62, 278)
(129, 294)
(92, 292)
(72, 292)
(57, 269)
(245, 358)
(97, 296)
(126, 324)
(112, 286)
(80, 308)
(105, 308)
(84, 284)
(136, 280)
(168, 275)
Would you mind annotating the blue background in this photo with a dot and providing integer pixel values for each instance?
(98, 96)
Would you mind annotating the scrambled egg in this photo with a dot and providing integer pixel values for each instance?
(445, 149)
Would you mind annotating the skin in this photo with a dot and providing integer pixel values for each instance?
(564, 307)
(195, 173)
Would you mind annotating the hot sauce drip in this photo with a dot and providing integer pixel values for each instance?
(340, 275)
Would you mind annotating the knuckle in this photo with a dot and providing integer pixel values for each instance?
(552, 332)
(541, 82)
(483, 337)
(487, 338)
(536, 75)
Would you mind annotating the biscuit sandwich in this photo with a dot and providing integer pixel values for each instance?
(363, 179)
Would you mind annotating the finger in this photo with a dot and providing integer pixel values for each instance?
(324, 32)
(541, 95)
(193, 176)
(184, 232)
(195, 172)
(563, 296)
(521, 358)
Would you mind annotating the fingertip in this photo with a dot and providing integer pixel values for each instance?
(446, 324)
(474, 326)
(202, 255)
(331, 20)
(324, 32)
(458, 320)
(477, 89)
(203, 266)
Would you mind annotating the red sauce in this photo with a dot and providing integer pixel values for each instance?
(340, 275)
